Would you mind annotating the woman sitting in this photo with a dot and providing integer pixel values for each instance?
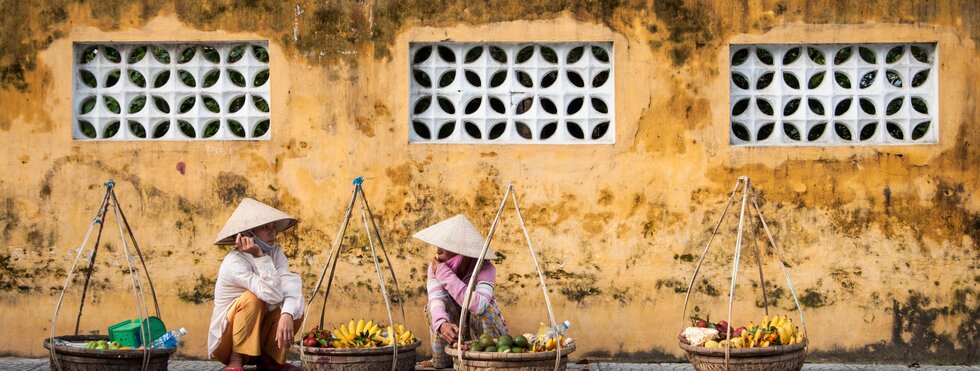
(457, 247)
(258, 303)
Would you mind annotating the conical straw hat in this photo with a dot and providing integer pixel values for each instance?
(250, 214)
(457, 235)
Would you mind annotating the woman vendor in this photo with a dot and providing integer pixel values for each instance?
(258, 302)
(457, 247)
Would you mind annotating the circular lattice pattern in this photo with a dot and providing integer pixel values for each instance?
(511, 92)
(171, 91)
(827, 94)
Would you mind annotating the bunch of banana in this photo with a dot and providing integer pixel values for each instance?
(356, 334)
(777, 331)
(543, 345)
(396, 333)
(359, 334)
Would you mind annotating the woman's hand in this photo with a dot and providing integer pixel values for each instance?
(432, 266)
(448, 331)
(284, 332)
(247, 245)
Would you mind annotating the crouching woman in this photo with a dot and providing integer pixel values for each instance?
(457, 247)
(258, 302)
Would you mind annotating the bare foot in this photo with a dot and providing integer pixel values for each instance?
(234, 361)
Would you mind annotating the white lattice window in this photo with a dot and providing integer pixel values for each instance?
(834, 94)
(513, 93)
(171, 91)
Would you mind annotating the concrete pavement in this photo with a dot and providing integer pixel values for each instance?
(34, 364)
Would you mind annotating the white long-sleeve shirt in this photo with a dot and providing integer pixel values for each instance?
(267, 277)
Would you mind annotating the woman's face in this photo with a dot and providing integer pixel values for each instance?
(266, 232)
(443, 255)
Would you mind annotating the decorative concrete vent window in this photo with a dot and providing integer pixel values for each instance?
(511, 93)
(171, 91)
(834, 94)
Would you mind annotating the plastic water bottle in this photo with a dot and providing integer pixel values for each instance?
(168, 340)
(562, 327)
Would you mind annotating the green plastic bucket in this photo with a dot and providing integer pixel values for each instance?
(128, 334)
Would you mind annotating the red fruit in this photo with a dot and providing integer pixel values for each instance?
(702, 324)
(738, 331)
(309, 342)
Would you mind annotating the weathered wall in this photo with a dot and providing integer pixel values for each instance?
(882, 241)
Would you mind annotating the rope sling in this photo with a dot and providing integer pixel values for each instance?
(748, 192)
(109, 200)
(367, 217)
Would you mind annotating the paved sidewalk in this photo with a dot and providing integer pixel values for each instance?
(31, 364)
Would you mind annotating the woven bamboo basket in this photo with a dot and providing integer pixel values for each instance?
(81, 359)
(358, 359)
(775, 358)
(541, 361)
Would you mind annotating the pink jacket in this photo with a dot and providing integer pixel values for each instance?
(445, 284)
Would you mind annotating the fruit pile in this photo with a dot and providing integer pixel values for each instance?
(358, 334)
(526, 343)
(777, 331)
(504, 344)
(106, 345)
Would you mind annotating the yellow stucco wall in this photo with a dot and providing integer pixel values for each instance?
(882, 241)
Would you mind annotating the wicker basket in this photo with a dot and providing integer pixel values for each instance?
(358, 359)
(775, 358)
(540, 361)
(81, 359)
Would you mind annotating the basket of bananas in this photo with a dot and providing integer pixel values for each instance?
(364, 346)
(775, 344)
(358, 345)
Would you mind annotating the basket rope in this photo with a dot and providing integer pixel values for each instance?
(139, 253)
(758, 263)
(381, 284)
(779, 255)
(384, 251)
(748, 192)
(330, 268)
(139, 292)
(479, 264)
(139, 295)
(71, 271)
